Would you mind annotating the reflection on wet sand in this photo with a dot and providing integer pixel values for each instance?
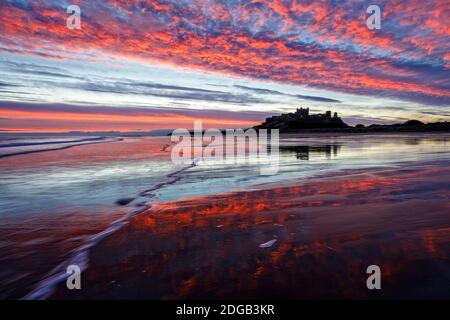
(307, 151)
(31, 250)
(328, 230)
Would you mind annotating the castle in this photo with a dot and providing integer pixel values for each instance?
(302, 119)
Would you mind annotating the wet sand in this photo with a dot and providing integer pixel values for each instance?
(52, 201)
(328, 231)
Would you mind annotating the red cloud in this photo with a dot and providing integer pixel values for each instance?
(344, 55)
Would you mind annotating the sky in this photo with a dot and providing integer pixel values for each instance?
(159, 64)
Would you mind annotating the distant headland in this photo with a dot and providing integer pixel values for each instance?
(302, 120)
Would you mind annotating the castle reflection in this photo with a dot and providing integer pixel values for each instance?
(305, 152)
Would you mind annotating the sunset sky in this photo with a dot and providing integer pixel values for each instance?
(143, 65)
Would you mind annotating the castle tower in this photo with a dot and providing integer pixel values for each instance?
(303, 113)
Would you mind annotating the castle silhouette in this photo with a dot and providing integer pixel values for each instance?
(302, 119)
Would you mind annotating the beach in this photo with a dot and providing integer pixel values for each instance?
(327, 233)
(143, 228)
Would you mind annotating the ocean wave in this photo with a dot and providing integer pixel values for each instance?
(26, 147)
